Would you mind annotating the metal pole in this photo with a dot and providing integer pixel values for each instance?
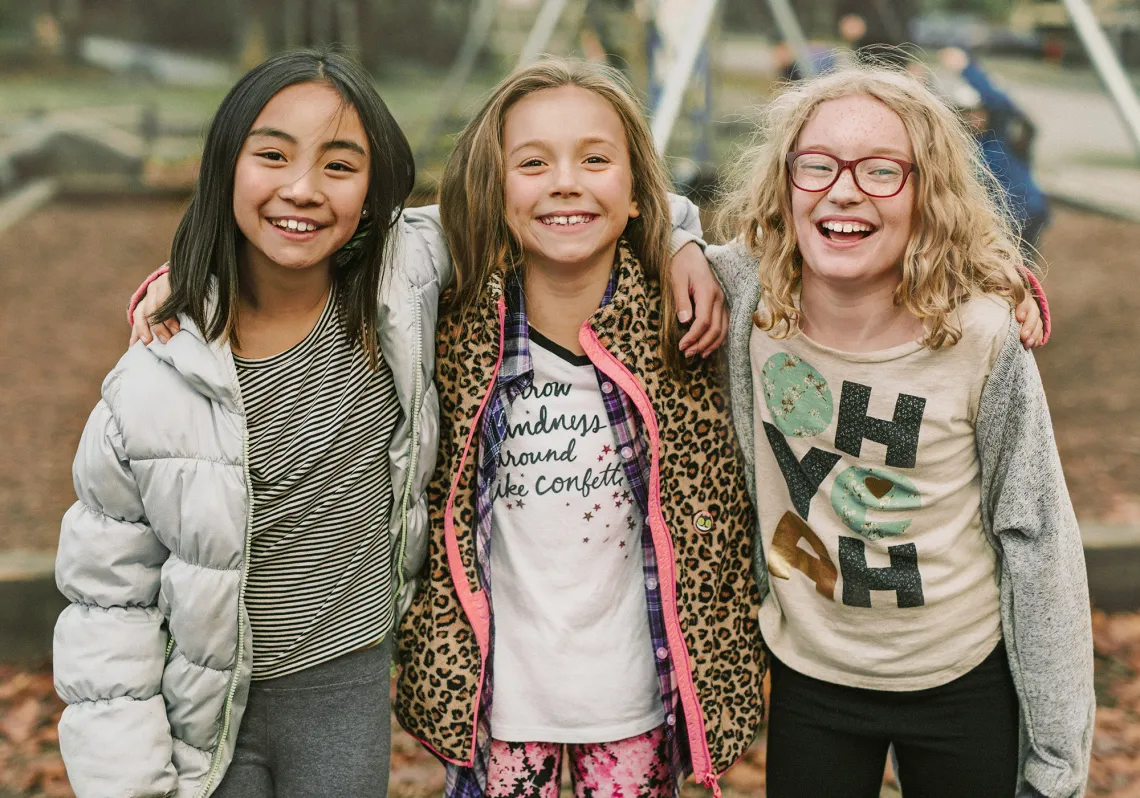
(793, 34)
(1107, 66)
(543, 30)
(677, 79)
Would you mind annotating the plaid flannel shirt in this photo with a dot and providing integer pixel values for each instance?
(515, 374)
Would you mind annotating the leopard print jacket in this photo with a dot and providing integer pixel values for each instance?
(698, 502)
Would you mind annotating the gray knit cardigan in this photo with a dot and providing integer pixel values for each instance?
(1028, 519)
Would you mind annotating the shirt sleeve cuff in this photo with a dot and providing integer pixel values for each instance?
(679, 238)
(1038, 292)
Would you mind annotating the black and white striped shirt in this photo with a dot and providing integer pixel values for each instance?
(320, 570)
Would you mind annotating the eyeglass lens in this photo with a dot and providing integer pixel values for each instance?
(876, 177)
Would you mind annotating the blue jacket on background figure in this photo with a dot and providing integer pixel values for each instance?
(1003, 131)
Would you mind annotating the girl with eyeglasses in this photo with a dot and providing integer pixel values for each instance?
(921, 568)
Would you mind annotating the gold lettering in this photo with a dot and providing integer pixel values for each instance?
(786, 555)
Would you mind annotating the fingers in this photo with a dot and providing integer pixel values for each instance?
(1035, 337)
(717, 332)
(143, 330)
(696, 339)
(684, 306)
(165, 331)
(724, 318)
(140, 330)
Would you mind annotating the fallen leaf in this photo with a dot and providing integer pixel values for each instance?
(19, 723)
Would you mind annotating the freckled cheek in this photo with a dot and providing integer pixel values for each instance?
(802, 206)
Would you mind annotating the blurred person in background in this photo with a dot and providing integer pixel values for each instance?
(856, 43)
(876, 29)
(1005, 135)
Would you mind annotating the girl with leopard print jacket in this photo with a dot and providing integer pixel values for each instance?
(585, 471)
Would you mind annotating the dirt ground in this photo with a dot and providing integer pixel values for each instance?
(66, 273)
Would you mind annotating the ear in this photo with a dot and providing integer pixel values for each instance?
(634, 211)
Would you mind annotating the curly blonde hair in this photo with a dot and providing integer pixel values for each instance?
(961, 244)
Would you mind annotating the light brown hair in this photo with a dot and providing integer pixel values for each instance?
(472, 204)
(961, 244)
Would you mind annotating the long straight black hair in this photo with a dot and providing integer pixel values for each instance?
(204, 268)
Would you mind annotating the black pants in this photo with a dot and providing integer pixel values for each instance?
(953, 741)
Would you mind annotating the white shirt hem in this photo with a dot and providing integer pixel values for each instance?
(596, 734)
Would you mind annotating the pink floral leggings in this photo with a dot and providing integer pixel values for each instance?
(637, 767)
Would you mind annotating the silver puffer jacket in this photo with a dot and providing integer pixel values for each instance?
(153, 656)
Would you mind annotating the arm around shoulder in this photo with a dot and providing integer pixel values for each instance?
(109, 643)
(1046, 619)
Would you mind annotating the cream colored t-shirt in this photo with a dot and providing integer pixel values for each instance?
(868, 490)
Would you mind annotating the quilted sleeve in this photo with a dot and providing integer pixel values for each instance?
(424, 225)
(109, 647)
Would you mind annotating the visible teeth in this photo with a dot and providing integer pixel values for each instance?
(846, 227)
(293, 224)
(564, 220)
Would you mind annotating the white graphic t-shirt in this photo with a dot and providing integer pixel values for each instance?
(868, 495)
(573, 660)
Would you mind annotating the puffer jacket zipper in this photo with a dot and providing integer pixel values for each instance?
(216, 759)
(413, 458)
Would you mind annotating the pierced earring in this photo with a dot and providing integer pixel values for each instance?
(364, 212)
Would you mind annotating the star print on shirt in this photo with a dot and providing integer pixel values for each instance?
(607, 449)
(588, 516)
(585, 540)
(597, 507)
(520, 504)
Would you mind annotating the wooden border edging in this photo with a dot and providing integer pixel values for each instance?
(29, 198)
(29, 605)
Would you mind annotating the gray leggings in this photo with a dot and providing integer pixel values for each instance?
(324, 731)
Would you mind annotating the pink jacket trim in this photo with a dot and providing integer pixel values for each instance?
(698, 742)
(137, 296)
(474, 602)
(1038, 292)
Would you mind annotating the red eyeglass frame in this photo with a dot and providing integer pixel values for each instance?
(907, 167)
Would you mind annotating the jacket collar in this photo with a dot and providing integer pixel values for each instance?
(626, 286)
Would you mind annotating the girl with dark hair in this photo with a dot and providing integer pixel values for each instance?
(235, 549)
(252, 490)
